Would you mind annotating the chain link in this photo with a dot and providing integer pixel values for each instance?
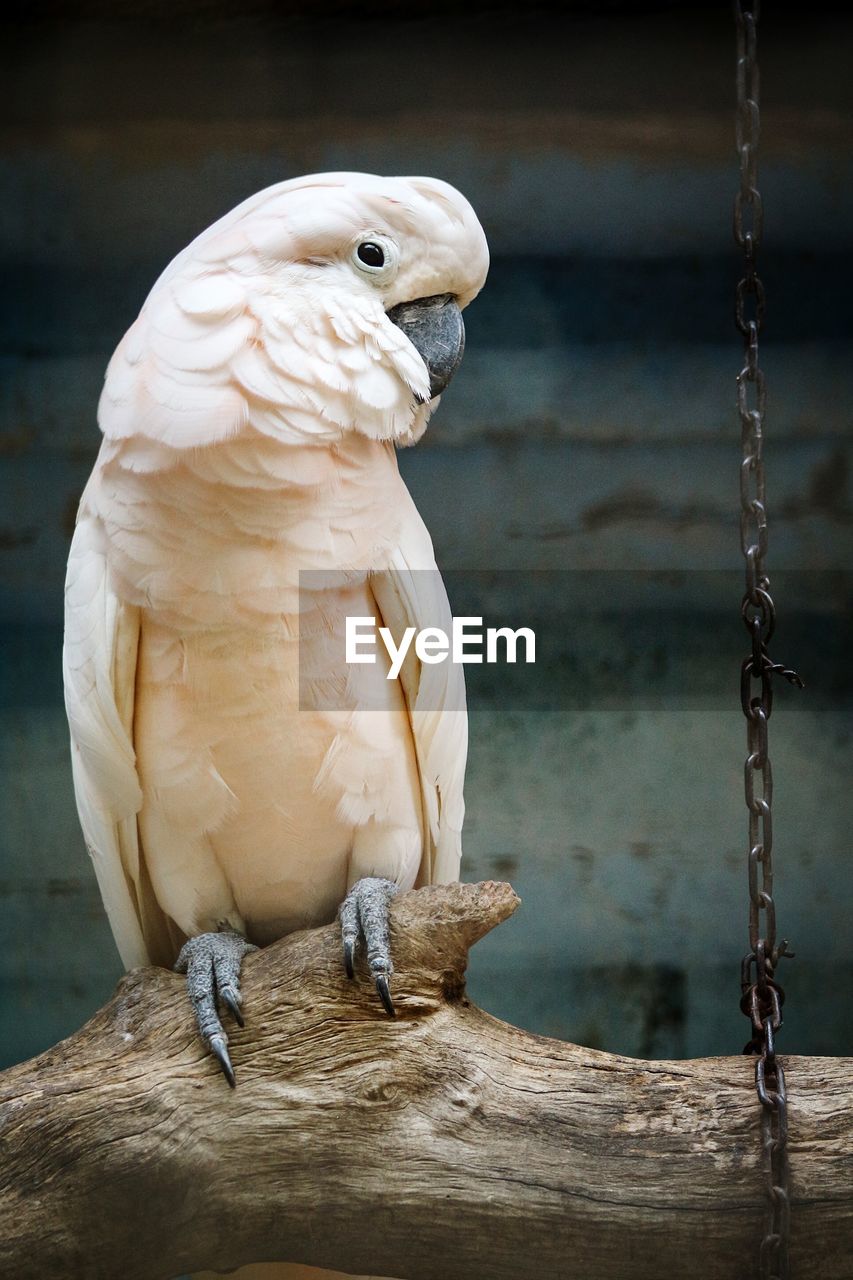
(762, 997)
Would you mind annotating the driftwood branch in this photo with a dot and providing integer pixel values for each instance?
(443, 1144)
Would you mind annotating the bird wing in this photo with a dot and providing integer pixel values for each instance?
(99, 670)
(411, 594)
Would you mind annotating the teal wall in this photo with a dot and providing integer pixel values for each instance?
(583, 466)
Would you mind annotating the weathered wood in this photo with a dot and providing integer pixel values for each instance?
(442, 1144)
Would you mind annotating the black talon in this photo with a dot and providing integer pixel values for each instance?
(232, 1000)
(218, 1049)
(384, 990)
(349, 955)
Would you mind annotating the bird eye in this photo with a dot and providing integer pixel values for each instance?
(376, 256)
(371, 254)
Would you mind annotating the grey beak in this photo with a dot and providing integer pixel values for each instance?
(435, 329)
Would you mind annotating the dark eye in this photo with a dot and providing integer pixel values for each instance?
(376, 257)
(371, 254)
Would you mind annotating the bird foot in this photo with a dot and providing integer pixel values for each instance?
(364, 918)
(212, 963)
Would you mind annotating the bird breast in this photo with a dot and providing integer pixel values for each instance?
(236, 754)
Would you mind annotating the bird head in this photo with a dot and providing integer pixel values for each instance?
(324, 304)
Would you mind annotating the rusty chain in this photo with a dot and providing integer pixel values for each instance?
(762, 996)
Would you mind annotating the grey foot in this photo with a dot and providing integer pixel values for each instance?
(212, 963)
(364, 916)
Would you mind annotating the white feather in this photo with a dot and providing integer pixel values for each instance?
(101, 635)
(412, 594)
(211, 297)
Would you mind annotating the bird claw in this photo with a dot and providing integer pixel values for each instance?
(232, 999)
(385, 994)
(364, 918)
(212, 963)
(349, 956)
(217, 1048)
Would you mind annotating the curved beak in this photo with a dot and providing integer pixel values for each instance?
(435, 329)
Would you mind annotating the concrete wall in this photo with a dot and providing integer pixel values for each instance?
(584, 463)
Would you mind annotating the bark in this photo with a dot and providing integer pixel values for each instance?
(441, 1144)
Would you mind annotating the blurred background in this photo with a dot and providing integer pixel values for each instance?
(582, 470)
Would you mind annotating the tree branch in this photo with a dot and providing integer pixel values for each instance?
(442, 1144)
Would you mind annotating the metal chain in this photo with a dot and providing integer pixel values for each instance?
(762, 997)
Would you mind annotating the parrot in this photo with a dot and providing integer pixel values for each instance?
(236, 779)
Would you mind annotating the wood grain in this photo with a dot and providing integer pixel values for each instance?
(441, 1144)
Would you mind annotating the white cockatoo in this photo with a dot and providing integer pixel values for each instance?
(235, 778)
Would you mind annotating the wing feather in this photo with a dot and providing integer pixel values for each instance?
(99, 669)
(412, 594)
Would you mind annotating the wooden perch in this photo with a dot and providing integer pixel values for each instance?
(442, 1144)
